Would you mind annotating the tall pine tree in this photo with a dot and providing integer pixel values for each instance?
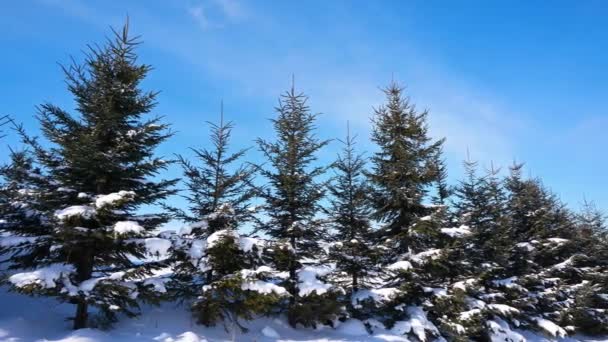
(91, 248)
(293, 192)
(403, 167)
(218, 194)
(353, 250)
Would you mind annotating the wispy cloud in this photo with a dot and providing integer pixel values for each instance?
(472, 120)
(212, 14)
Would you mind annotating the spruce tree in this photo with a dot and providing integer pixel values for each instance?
(352, 249)
(218, 196)
(403, 167)
(91, 248)
(293, 192)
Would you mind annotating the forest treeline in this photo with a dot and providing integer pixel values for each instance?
(381, 238)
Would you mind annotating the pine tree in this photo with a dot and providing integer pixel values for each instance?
(443, 190)
(352, 250)
(92, 180)
(213, 183)
(218, 195)
(403, 168)
(293, 193)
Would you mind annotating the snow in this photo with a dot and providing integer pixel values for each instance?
(423, 257)
(525, 245)
(457, 231)
(113, 198)
(564, 264)
(126, 227)
(157, 283)
(507, 282)
(216, 237)
(502, 309)
(377, 295)
(464, 284)
(558, 241)
(47, 277)
(246, 244)
(83, 211)
(352, 327)
(270, 332)
(263, 287)
(402, 265)
(9, 241)
(550, 327)
(418, 324)
(309, 281)
(187, 230)
(21, 320)
(501, 332)
(157, 247)
(466, 315)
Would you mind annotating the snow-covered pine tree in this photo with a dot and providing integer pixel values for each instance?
(588, 311)
(531, 286)
(404, 170)
(352, 248)
(92, 246)
(292, 201)
(480, 207)
(403, 167)
(218, 196)
(211, 260)
(442, 189)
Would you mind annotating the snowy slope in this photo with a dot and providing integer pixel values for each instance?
(41, 319)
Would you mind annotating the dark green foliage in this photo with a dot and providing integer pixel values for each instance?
(314, 309)
(107, 149)
(226, 301)
(404, 167)
(292, 195)
(352, 250)
(213, 183)
(219, 196)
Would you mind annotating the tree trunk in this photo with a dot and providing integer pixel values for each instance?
(355, 282)
(82, 314)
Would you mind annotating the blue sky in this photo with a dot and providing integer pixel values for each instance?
(517, 80)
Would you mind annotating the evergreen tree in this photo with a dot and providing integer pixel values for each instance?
(218, 196)
(93, 179)
(403, 168)
(352, 250)
(213, 183)
(293, 193)
(443, 190)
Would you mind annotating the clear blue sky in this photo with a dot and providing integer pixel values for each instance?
(509, 80)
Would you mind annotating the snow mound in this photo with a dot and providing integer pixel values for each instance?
(309, 281)
(352, 327)
(263, 287)
(501, 332)
(418, 324)
(402, 265)
(128, 227)
(270, 332)
(550, 327)
(113, 198)
(457, 231)
(46, 277)
(83, 211)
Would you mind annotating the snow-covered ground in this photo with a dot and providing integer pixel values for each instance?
(41, 319)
